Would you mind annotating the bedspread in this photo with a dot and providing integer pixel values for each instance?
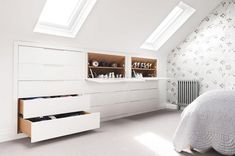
(208, 122)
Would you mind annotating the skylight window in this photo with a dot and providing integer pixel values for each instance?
(177, 17)
(64, 17)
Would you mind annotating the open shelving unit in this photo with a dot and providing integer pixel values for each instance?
(100, 71)
(145, 66)
(105, 62)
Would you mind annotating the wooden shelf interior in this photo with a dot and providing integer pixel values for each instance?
(107, 68)
(146, 72)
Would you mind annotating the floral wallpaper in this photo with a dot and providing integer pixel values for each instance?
(207, 54)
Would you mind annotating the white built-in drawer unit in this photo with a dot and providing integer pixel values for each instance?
(48, 88)
(49, 106)
(122, 96)
(50, 93)
(48, 129)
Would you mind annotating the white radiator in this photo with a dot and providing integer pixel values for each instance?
(188, 91)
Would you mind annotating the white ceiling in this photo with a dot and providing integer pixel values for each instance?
(114, 25)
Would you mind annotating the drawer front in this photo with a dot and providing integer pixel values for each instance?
(50, 72)
(138, 95)
(145, 106)
(111, 111)
(51, 106)
(122, 97)
(44, 130)
(49, 88)
(34, 55)
(48, 64)
(99, 99)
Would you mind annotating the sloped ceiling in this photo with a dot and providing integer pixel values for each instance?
(113, 25)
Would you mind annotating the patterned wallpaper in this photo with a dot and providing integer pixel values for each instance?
(207, 54)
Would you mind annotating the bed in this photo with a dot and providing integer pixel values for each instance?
(208, 122)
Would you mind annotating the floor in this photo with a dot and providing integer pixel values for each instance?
(148, 134)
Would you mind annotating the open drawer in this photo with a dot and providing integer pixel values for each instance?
(64, 124)
(31, 108)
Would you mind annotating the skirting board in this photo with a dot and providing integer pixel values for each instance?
(171, 106)
(8, 135)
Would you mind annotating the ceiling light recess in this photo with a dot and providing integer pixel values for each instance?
(177, 17)
(63, 17)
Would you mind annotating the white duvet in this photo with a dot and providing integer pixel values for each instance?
(208, 122)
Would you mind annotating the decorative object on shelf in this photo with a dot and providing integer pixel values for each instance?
(151, 75)
(134, 65)
(137, 75)
(95, 74)
(147, 65)
(134, 73)
(92, 75)
(111, 75)
(114, 64)
(118, 75)
(142, 65)
(95, 63)
(138, 65)
(103, 76)
(103, 63)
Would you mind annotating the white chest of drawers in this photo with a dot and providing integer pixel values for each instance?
(49, 85)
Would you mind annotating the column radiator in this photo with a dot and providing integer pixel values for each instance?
(188, 91)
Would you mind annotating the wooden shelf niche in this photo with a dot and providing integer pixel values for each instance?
(106, 64)
(143, 66)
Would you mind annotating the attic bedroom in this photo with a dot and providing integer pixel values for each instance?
(117, 77)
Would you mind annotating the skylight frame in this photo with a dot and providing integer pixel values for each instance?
(177, 17)
(75, 22)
